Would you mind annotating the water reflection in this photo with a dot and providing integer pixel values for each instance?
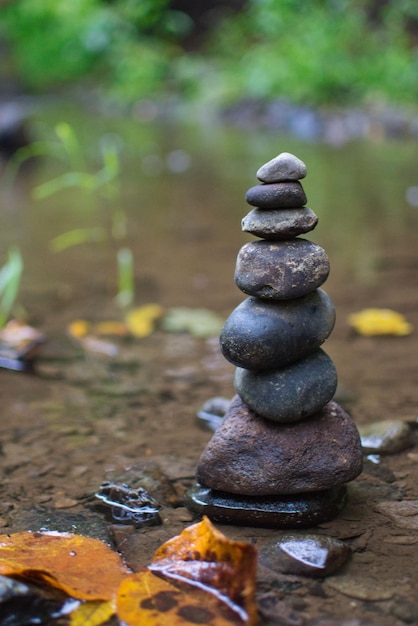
(183, 192)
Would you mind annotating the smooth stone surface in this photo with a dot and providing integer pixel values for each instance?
(386, 437)
(285, 166)
(304, 555)
(298, 511)
(250, 455)
(281, 270)
(276, 195)
(276, 224)
(262, 334)
(291, 393)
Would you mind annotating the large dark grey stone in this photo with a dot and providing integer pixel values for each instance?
(284, 166)
(249, 455)
(276, 195)
(291, 393)
(276, 224)
(281, 270)
(262, 334)
(295, 511)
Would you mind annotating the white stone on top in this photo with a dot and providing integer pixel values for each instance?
(284, 166)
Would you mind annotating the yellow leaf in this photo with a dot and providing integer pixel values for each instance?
(145, 599)
(369, 322)
(142, 320)
(78, 328)
(92, 613)
(84, 568)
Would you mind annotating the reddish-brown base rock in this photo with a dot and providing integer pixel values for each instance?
(251, 456)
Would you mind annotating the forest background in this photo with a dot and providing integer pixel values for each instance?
(320, 53)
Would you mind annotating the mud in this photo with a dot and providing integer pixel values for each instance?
(81, 418)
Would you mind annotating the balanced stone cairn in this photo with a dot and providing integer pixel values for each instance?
(284, 450)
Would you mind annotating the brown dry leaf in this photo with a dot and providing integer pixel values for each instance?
(84, 568)
(202, 556)
(146, 599)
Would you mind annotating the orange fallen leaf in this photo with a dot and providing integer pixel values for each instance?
(111, 327)
(84, 568)
(149, 600)
(78, 328)
(202, 556)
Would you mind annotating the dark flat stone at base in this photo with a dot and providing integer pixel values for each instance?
(295, 511)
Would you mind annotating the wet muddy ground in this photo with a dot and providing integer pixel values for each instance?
(82, 418)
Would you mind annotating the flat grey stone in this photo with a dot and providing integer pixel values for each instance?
(249, 455)
(304, 555)
(291, 393)
(285, 166)
(285, 195)
(263, 334)
(279, 224)
(281, 270)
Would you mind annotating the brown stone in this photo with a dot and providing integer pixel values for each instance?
(281, 270)
(250, 455)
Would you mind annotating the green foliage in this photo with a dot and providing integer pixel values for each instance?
(102, 185)
(318, 52)
(10, 276)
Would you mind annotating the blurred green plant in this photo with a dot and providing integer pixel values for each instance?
(10, 277)
(318, 52)
(102, 185)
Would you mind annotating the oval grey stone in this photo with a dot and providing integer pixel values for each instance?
(284, 166)
(279, 224)
(250, 455)
(276, 195)
(281, 270)
(262, 334)
(291, 393)
(304, 555)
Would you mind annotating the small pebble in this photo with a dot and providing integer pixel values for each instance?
(285, 166)
(291, 393)
(386, 437)
(281, 270)
(262, 334)
(276, 196)
(304, 555)
(276, 224)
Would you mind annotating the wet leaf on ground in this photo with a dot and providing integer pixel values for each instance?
(84, 568)
(203, 556)
(369, 322)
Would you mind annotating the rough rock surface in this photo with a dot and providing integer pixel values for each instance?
(281, 270)
(276, 224)
(249, 455)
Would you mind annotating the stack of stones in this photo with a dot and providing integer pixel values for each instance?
(284, 450)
